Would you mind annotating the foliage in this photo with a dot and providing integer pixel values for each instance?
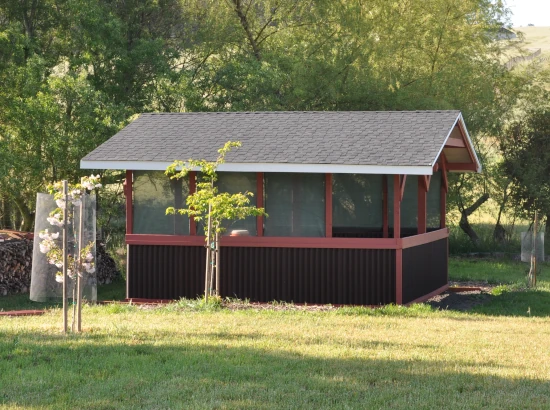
(74, 72)
(526, 151)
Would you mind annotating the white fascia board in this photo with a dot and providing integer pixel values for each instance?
(265, 167)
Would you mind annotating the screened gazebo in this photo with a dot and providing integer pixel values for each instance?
(356, 203)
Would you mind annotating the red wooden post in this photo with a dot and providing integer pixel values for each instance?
(443, 209)
(328, 205)
(422, 198)
(260, 202)
(396, 206)
(385, 233)
(128, 190)
(396, 235)
(443, 198)
(192, 190)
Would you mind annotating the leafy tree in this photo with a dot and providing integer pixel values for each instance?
(526, 151)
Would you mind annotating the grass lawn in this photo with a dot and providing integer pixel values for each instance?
(187, 356)
(113, 291)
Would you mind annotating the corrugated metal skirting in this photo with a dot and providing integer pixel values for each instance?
(425, 269)
(337, 276)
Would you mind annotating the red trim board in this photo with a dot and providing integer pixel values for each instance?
(292, 242)
(430, 295)
(268, 242)
(385, 223)
(192, 189)
(260, 202)
(129, 203)
(422, 205)
(328, 205)
(399, 276)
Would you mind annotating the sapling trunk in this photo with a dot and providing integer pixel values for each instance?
(217, 263)
(208, 255)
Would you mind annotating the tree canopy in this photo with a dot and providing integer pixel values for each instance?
(73, 72)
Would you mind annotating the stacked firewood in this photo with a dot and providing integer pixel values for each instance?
(106, 268)
(15, 266)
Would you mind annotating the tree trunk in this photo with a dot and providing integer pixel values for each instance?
(27, 221)
(499, 233)
(465, 224)
(6, 213)
(246, 27)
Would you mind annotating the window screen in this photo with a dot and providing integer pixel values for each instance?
(295, 204)
(433, 220)
(233, 183)
(356, 201)
(409, 205)
(153, 193)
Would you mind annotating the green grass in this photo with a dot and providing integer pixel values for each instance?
(197, 356)
(511, 297)
(113, 291)
(130, 358)
(494, 271)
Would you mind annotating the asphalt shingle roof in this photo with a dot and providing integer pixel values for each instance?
(385, 138)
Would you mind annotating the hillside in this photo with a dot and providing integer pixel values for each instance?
(534, 38)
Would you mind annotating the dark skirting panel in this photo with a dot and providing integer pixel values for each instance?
(337, 276)
(424, 269)
(165, 272)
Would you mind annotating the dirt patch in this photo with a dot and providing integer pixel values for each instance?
(465, 300)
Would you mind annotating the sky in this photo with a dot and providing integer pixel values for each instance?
(535, 12)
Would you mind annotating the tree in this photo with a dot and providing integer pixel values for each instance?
(207, 203)
(526, 152)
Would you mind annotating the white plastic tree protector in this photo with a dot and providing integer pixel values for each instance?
(44, 285)
(527, 246)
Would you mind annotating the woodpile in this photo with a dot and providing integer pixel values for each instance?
(15, 266)
(106, 268)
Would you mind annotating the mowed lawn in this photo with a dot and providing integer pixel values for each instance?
(185, 356)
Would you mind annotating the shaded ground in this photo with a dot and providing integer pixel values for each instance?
(462, 301)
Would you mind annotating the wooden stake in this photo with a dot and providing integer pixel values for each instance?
(65, 250)
(217, 266)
